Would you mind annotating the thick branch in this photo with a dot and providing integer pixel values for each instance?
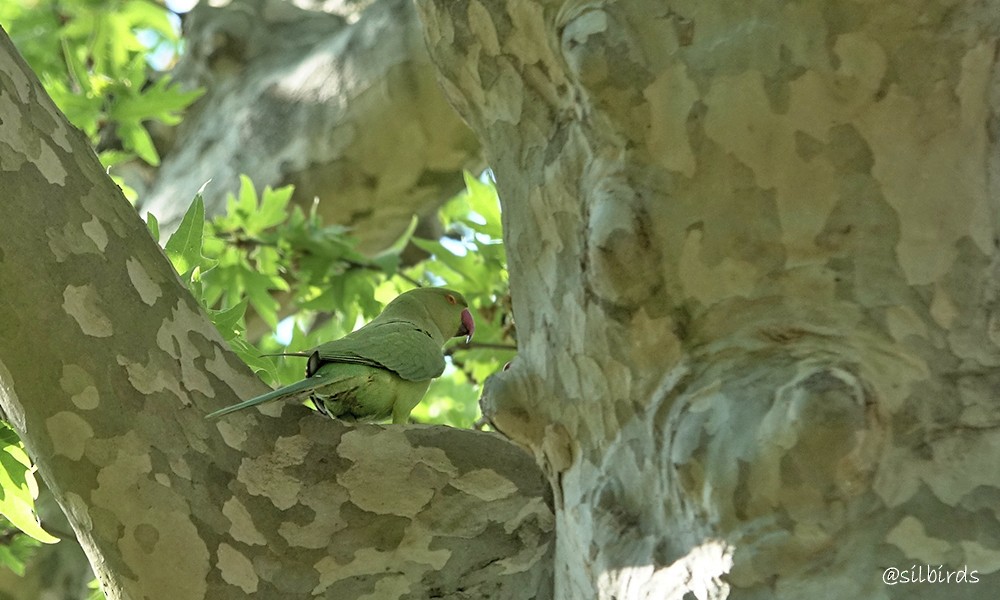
(107, 367)
(349, 113)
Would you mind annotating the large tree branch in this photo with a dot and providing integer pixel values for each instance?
(349, 113)
(107, 368)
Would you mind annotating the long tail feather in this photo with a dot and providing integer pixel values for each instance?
(283, 392)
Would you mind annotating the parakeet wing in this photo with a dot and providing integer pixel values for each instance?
(400, 346)
(333, 382)
(299, 389)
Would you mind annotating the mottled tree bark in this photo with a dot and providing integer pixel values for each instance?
(754, 260)
(345, 107)
(107, 368)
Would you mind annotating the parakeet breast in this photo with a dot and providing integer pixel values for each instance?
(365, 393)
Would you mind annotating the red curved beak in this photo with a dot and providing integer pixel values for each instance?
(468, 326)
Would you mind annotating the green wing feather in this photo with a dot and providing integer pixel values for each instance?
(399, 346)
(299, 388)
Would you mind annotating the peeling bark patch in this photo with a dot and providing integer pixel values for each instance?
(624, 266)
(242, 528)
(149, 291)
(69, 434)
(79, 385)
(481, 26)
(930, 147)
(269, 476)
(236, 569)
(68, 241)
(671, 97)
(389, 587)
(956, 467)
(943, 309)
(415, 546)
(985, 560)
(81, 303)
(181, 468)
(402, 490)
(42, 113)
(710, 283)
(325, 499)
(154, 554)
(233, 436)
(173, 337)
(50, 165)
(149, 379)
(95, 231)
(911, 538)
(485, 484)
(232, 373)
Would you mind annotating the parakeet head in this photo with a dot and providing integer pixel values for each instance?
(446, 309)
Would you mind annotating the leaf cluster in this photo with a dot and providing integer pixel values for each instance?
(20, 531)
(92, 58)
(268, 261)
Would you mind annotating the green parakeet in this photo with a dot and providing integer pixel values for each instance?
(384, 368)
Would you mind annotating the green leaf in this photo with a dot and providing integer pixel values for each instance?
(444, 256)
(142, 13)
(400, 244)
(154, 226)
(135, 137)
(387, 263)
(18, 550)
(89, 57)
(7, 436)
(18, 491)
(273, 209)
(161, 101)
(246, 202)
(484, 203)
(96, 593)
(76, 69)
(111, 158)
(184, 246)
(228, 321)
(83, 109)
(252, 357)
(258, 288)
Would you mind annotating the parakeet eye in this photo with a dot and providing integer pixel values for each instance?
(450, 299)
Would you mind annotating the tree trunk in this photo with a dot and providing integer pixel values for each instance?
(107, 368)
(754, 259)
